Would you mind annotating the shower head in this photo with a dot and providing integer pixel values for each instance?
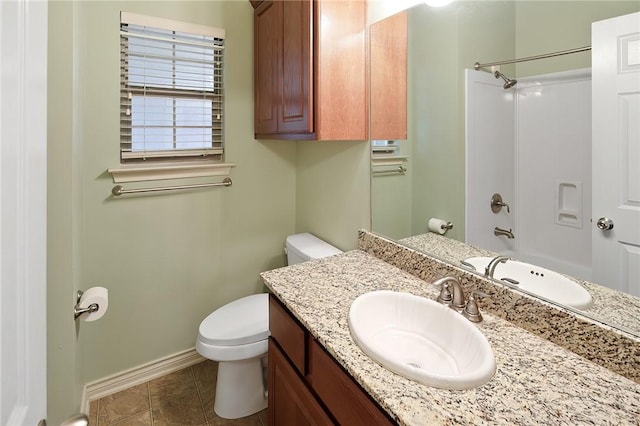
(508, 82)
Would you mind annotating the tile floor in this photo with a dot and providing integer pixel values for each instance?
(181, 398)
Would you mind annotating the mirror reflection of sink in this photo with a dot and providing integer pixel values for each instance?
(421, 339)
(539, 281)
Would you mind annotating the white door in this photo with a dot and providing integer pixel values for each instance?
(616, 152)
(23, 161)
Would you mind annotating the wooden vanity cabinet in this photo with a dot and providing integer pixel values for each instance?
(306, 385)
(290, 401)
(310, 76)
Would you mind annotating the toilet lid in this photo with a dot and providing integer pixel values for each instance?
(242, 321)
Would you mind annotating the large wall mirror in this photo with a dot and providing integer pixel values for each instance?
(525, 133)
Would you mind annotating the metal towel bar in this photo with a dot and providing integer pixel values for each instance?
(118, 190)
(399, 169)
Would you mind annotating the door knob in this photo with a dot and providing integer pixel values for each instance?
(604, 224)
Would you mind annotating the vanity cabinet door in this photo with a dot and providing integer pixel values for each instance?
(348, 403)
(289, 334)
(291, 403)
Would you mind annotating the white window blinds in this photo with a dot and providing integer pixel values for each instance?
(171, 89)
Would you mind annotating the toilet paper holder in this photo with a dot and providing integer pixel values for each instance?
(77, 310)
(446, 226)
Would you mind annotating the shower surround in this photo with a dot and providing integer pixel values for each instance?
(531, 143)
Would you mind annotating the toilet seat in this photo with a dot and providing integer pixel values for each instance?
(240, 322)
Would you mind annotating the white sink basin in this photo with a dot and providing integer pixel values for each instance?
(421, 339)
(539, 281)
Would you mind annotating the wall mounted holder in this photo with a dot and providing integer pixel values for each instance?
(77, 310)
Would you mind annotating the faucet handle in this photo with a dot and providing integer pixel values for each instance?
(491, 266)
(453, 290)
(471, 310)
(445, 296)
(497, 204)
(468, 265)
(510, 281)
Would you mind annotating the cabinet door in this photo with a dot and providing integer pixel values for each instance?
(290, 402)
(340, 70)
(296, 94)
(310, 70)
(346, 401)
(289, 334)
(267, 23)
(388, 61)
(283, 68)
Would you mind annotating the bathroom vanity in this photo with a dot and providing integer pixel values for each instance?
(317, 372)
(300, 369)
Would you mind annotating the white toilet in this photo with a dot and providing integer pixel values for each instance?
(236, 335)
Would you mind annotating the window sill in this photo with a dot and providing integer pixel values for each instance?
(141, 173)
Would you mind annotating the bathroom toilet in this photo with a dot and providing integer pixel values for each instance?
(236, 336)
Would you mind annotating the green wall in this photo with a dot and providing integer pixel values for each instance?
(64, 378)
(168, 259)
(332, 190)
(566, 25)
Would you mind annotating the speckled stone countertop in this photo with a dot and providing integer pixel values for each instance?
(609, 347)
(537, 382)
(609, 306)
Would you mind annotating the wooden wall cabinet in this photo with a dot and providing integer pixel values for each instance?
(310, 70)
(306, 385)
(388, 40)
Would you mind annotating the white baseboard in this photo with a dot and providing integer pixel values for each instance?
(138, 375)
(84, 402)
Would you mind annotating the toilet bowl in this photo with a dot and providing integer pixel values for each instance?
(236, 336)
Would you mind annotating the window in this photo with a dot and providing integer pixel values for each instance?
(171, 90)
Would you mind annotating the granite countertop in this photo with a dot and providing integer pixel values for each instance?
(612, 307)
(536, 382)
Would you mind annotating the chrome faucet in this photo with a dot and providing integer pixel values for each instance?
(499, 231)
(491, 267)
(447, 284)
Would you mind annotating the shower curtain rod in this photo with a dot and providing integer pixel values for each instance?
(478, 65)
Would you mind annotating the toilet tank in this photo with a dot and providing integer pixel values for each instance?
(303, 247)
